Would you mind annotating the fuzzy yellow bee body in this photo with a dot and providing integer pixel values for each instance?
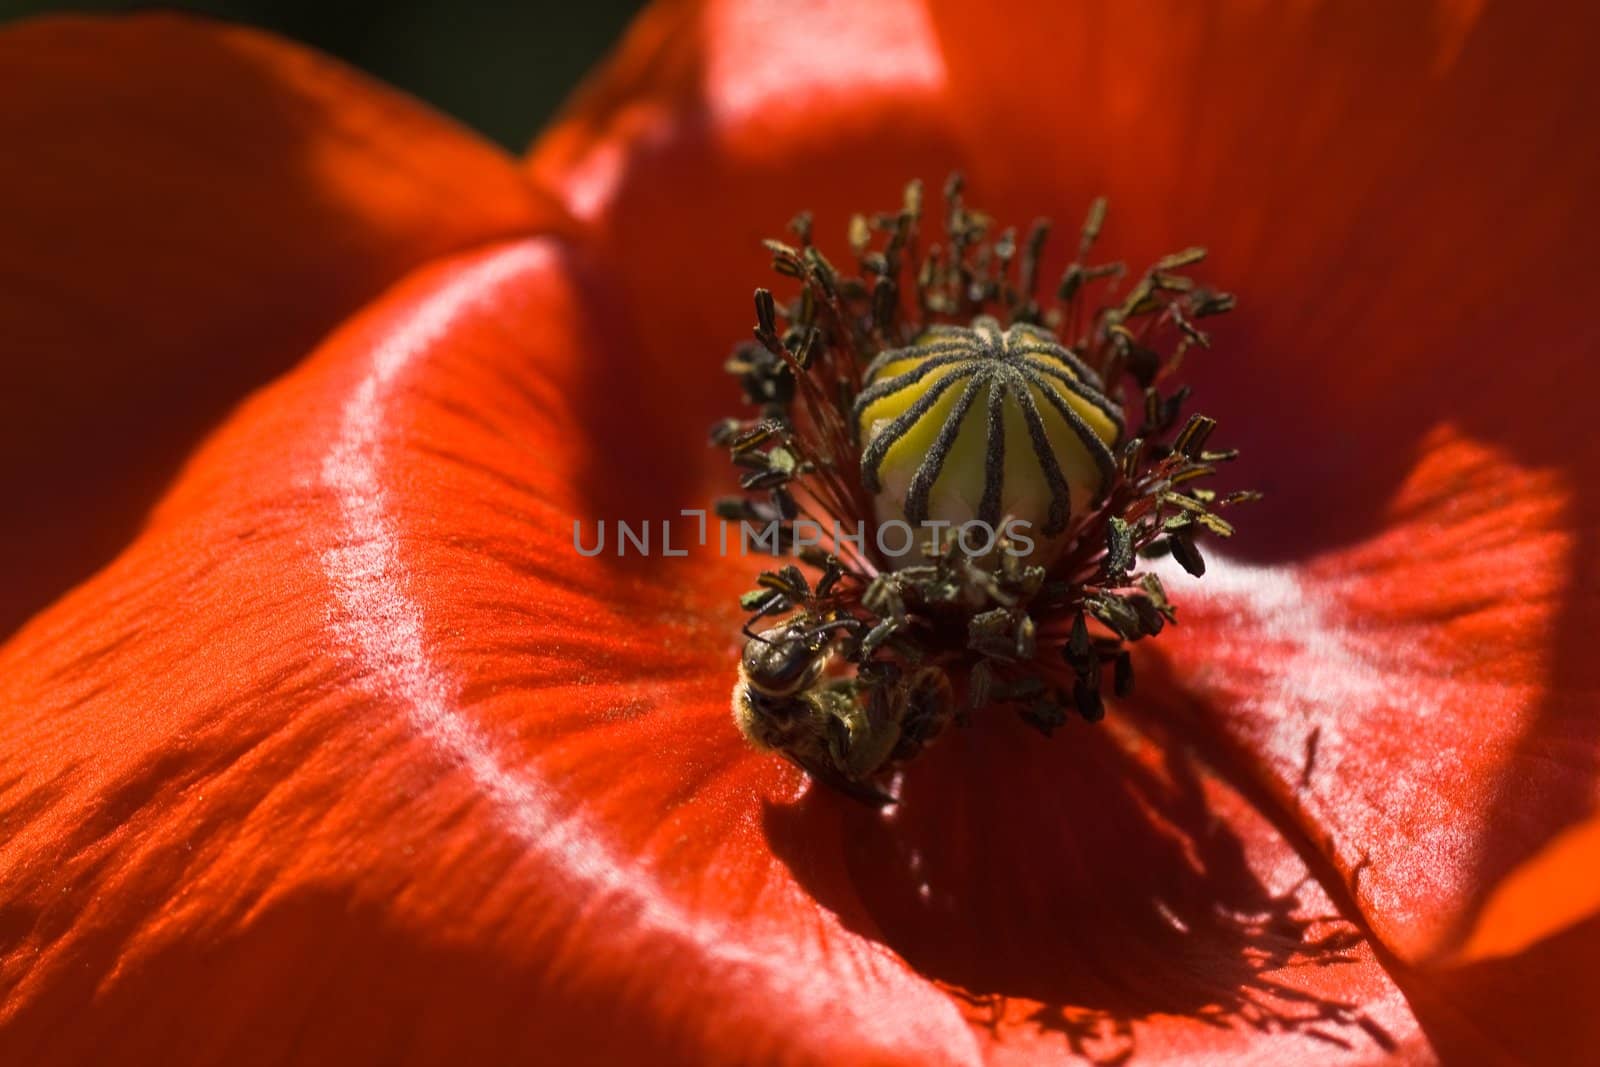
(844, 734)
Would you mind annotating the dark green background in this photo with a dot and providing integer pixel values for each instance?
(503, 68)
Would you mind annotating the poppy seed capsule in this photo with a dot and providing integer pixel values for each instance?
(985, 423)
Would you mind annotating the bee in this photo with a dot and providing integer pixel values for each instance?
(847, 732)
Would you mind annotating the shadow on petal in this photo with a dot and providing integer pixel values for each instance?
(1095, 886)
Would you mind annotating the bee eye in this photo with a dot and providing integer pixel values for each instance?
(778, 663)
(985, 423)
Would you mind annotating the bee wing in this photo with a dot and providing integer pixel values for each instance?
(829, 776)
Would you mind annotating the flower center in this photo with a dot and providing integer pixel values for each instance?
(929, 394)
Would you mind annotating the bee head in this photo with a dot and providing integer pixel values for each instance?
(784, 660)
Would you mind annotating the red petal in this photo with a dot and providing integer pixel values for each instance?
(1397, 696)
(1397, 193)
(191, 206)
(351, 756)
(714, 124)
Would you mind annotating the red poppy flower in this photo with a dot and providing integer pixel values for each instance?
(348, 755)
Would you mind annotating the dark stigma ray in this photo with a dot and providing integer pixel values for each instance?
(1097, 449)
(900, 382)
(872, 458)
(1060, 492)
(1036, 346)
(916, 505)
(994, 462)
(1098, 400)
(953, 346)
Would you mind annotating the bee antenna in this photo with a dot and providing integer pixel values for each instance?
(848, 623)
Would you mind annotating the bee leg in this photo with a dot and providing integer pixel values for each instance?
(774, 603)
(865, 792)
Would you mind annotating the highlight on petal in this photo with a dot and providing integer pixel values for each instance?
(887, 47)
(1386, 686)
(192, 205)
(1397, 695)
(352, 754)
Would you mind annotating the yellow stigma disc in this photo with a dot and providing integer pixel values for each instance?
(986, 424)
